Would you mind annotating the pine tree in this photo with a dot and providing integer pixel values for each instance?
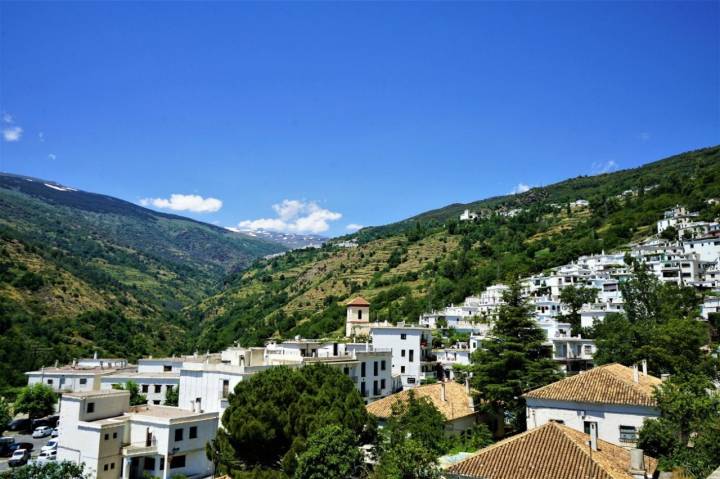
(511, 361)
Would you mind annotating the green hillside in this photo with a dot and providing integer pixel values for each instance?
(433, 259)
(81, 271)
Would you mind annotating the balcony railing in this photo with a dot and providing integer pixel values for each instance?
(140, 449)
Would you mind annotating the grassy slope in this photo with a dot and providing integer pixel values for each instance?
(437, 260)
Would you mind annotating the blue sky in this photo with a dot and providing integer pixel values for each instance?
(348, 113)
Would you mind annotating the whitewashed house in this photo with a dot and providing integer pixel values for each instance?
(72, 377)
(614, 398)
(411, 347)
(358, 318)
(115, 440)
(153, 385)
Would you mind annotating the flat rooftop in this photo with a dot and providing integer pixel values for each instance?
(148, 375)
(96, 393)
(162, 412)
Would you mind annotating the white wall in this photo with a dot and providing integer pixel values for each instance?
(403, 349)
(60, 381)
(608, 417)
(147, 385)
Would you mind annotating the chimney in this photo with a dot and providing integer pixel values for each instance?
(95, 355)
(56, 363)
(637, 464)
(593, 436)
(467, 385)
(636, 375)
(443, 396)
(644, 367)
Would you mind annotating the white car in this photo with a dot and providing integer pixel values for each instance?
(52, 445)
(55, 433)
(42, 431)
(46, 456)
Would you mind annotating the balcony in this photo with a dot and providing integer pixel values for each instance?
(140, 449)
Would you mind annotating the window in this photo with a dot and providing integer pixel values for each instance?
(559, 421)
(193, 432)
(149, 464)
(382, 384)
(411, 381)
(382, 365)
(402, 369)
(112, 465)
(376, 388)
(50, 381)
(411, 352)
(83, 380)
(628, 434)
(158, 388)
(90, 407)
(362, 369)
(179, 434)
(586, 426)
(167, 368)
(105, 467)
(156, 402)
(145, 388)
(107, 436)
(359, 313)
(177, 461)
(162, 464)
(375, 368)
(363, 391)
(402, 353)
(225, 388)
(403, 336)
(114, 435)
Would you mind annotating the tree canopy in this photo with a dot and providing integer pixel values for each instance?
(47, 470)
(511, 361)
(271, 415)
(136, 398)
(332, 451)
(37, 400)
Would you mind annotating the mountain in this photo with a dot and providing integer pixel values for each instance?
(289, 240)
(81, 271)
(433, 259)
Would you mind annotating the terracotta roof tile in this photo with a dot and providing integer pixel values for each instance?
(609, 384)
(552, 451)
(358, 301)
(457, 402)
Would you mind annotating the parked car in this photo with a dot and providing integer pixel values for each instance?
(19, 425)
(47, 456)
(42, 431)
(6, 446)
(28, 446)
(55, 432)
(19, 458)
(52, 445)
(46, 421)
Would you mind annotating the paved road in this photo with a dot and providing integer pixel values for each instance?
(37, 443)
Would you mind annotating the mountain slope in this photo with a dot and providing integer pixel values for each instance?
(433, 259)
(80, 271)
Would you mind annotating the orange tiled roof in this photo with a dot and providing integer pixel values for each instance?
(609, 384)
(358, 301)
(552, 451)
(456, 405)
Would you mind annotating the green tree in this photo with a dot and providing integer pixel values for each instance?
(574, 297)
(687, 433)
(5, 414)
(332, 451)
(172, 396)
(37, 400)
(417, 417)
(136, 398)
(48, 470)
(407, 459)
(271, 415)
(511, 361)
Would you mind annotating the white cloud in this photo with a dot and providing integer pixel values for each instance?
(294, 216)
(41, 137)
(51, 156)
(599, 167)
(12, 133)
(520, 188)
(644, 136)
(7, 118)
(177, 202)
(353, 227)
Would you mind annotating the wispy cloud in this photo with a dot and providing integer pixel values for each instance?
(520, 188)
(178, 202)
(599, 167)
(10, 131)
(294, 216)
(41, 137)
(353, 227)
(51, 156)
(644, 136)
